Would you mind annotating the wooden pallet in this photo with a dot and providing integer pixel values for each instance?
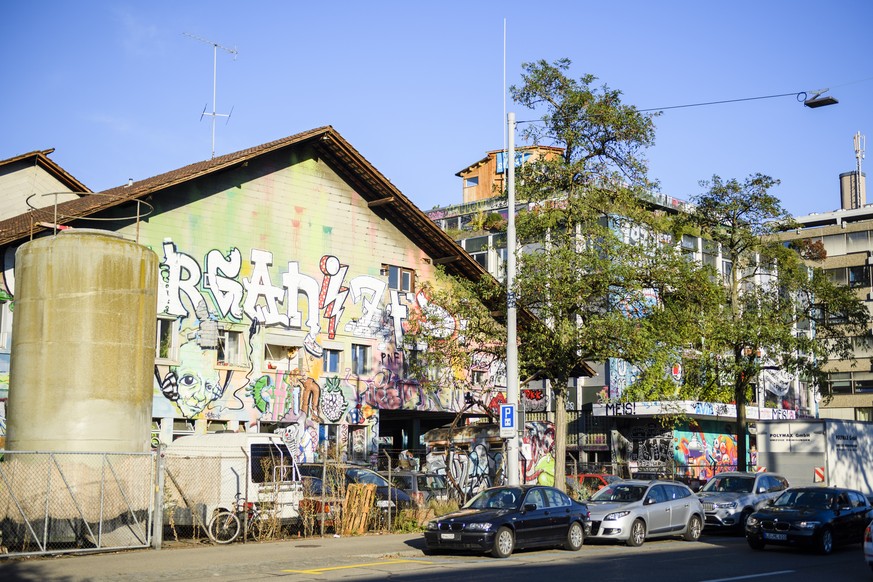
(356, 508)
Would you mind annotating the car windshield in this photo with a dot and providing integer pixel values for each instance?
(366, 476)
(732, 484)
(402, 481)
(620, 492)
(431, 482)
(496, 498)
(806, 498)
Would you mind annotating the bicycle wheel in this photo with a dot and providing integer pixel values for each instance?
(224, 527)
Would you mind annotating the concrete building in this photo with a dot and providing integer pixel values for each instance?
(847, 237)
(601, 433)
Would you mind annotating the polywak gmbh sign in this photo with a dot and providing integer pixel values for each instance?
(507, 421)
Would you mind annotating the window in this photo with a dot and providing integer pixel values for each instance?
(230, 350)
(710, 254)
(835, 244)
(165, 346)
(858, 276)
(864, 414)
(360, 359)
(279, 357)
(269, 460)
(331, 361)
(399, 278)
(857, 242)
(689, 245)
(837, 276)
(5, 326)
(840, 382)
(471, 181)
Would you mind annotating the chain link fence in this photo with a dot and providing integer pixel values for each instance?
(74, 502)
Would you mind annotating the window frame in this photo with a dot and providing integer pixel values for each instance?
(225, 355)
(403, 277)
(326, 361)
(170, 324)
(361, 359)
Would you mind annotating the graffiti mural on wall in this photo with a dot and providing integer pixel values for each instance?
(474, 459)
(227, 292)
(700, 455)
(648, 447)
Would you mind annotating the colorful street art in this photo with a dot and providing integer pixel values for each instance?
(294, 391)
(474, 457)
(697, 452)
(700, 455)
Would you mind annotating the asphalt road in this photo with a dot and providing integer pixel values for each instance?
(399, 558)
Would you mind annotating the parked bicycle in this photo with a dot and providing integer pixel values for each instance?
(225, 526)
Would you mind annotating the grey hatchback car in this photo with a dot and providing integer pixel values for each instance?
(633, 511)
(730, 498)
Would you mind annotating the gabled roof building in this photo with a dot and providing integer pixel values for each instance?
(288, 271)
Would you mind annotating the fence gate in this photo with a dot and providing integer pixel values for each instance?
(75, 502)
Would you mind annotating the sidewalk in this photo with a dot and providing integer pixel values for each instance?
(249, 561)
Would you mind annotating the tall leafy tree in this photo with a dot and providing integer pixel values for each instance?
(775, 309)
(592, 266)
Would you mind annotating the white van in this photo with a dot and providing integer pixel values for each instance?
(207, 473)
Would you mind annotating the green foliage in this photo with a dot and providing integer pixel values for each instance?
(593, 254)
(752, 321)
(454, 331)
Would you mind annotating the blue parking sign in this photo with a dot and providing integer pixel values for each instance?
(507, 420)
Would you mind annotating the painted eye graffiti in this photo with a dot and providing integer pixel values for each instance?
(189, 380)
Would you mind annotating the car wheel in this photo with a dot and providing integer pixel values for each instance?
(744, 517)
(755, 543)
(575, 537)
(825, 541)
(504, 542)
(637, 534)
(695, 526)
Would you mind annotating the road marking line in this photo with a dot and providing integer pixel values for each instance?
(350, 566)
(750, 576)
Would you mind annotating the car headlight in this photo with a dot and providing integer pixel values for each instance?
(752, 520)
(725, 505)
(808, 524)
(484, 526)
(616, 515)
(433, 525)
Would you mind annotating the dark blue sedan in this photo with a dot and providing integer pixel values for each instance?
(501, 519)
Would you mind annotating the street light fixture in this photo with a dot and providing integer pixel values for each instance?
(818, 101)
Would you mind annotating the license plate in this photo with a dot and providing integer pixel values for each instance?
(777, 537)
(447, 536)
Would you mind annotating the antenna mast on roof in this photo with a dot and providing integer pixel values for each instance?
(860, 146)
(213, 115)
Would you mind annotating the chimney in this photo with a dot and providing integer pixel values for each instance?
(853, 185)
(852, 194)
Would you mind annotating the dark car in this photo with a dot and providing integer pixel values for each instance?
(501, 519)
(817, 517)
(386, 495)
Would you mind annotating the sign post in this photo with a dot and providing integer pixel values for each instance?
(508, 422)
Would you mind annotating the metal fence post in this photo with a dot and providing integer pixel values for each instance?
(158, 513)
(390, 501)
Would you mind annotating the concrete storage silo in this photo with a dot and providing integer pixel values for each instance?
(83, 344)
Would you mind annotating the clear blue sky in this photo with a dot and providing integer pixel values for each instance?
(418, 87)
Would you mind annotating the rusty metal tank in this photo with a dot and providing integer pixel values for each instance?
(83, 344)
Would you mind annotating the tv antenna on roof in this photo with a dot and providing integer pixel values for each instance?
(214, 114)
